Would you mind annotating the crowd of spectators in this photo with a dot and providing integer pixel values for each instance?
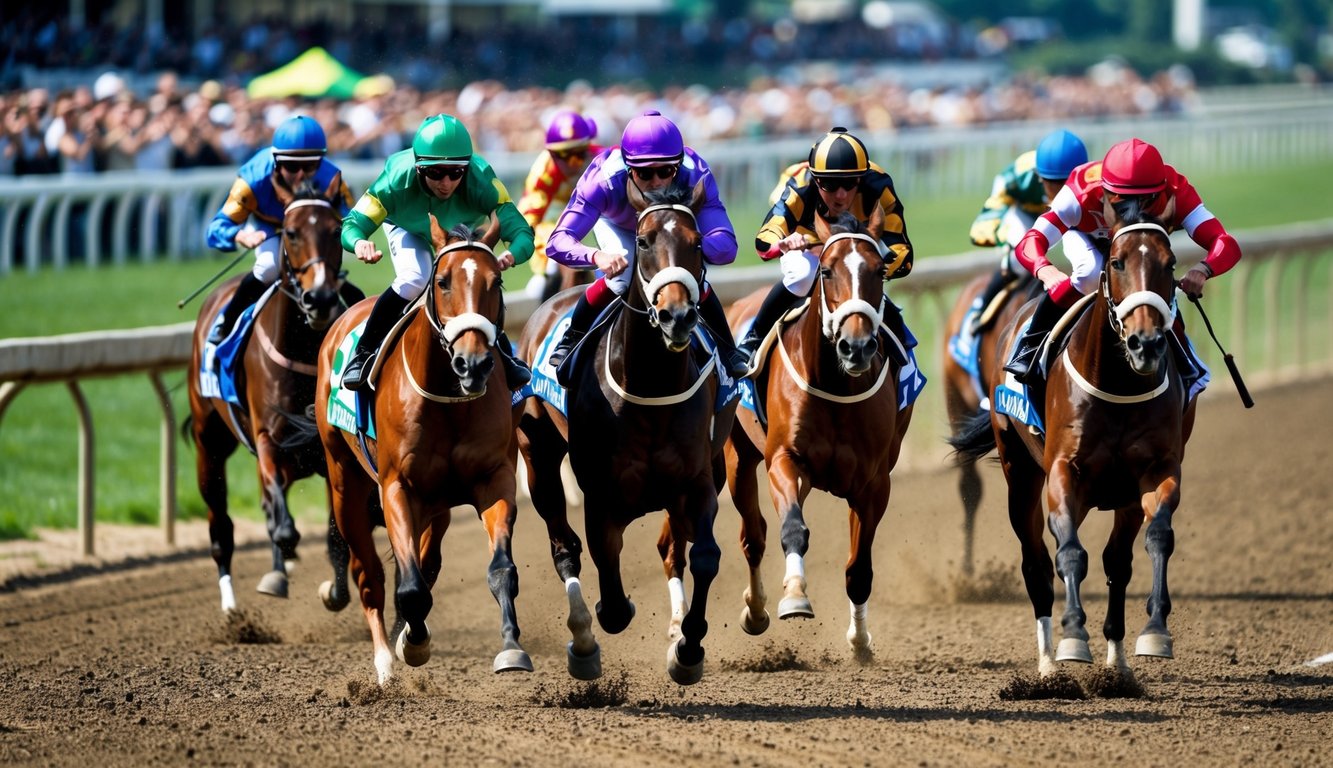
(104, 125)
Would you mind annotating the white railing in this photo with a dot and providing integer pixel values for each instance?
(1285, 318)
(113, 217)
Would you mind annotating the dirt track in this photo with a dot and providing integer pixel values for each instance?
(138, 667)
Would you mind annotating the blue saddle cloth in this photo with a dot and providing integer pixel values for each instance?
(219, 363)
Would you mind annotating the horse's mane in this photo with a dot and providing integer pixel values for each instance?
(308, 190)
(464, 232)
(846, 223)
(669, 195)
(1131, 210)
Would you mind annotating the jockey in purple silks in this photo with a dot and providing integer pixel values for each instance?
(652, 155)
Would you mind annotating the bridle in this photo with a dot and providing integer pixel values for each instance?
(666, 275)
(831, 320)
(1119, 311)
(290, 284)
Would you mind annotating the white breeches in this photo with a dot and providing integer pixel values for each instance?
(412, 259)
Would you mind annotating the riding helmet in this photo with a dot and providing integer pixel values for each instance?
(1133, 167)
(651, 139)
(839, 153)
(1058, 154)
(299, 138)
(570, 130)
(442, 140)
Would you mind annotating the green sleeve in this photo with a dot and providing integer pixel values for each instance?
(368, 214)
(515, 231)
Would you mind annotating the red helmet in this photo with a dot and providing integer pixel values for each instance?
(1133, 167)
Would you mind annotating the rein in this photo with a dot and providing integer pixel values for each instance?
(833, 320)
(807, 387)
(290, 285)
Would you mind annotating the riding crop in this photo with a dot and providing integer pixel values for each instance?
(1226, 357)
(181, 304)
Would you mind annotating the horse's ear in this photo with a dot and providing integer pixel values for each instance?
(492, 234)
(285, 196)
(1109, 215)
(1169, 212)
(634, 194)
(822, 229)
(875, 226)
(438, 237)
(330, 192)
(699, 197)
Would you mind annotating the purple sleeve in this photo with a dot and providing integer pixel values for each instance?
(565, 244)
(719, 237)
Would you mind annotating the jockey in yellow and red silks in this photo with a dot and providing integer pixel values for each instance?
(570, 146)
(1132, 171)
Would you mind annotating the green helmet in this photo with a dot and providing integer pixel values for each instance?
(442, 140)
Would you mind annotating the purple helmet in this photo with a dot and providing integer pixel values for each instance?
(570, 130)
(651, 139)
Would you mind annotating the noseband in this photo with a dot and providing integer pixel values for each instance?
(832, 320)
(666, 275)
(1119, 311)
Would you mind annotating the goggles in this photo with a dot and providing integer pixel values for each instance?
(837, 183)
(297, 166)
(655, 172)
(438, 172)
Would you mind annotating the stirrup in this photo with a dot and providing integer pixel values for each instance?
(358, 373)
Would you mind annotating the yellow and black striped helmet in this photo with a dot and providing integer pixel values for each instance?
(839, 154)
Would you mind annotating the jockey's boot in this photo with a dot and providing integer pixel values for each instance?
(247, 293)
(1024, 365)
(998, 280)
(710, 309)
(387, 310)
(517, 372)
(585, 313)
(775, 305)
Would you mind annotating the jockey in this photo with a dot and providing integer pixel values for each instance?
(1018, 195)
(1131, 173)
(253, 211)
(837, 178)
(569, 147)
(652, 155)
(439, 175)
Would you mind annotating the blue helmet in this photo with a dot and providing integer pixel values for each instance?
(1058, 154)
(299, 138)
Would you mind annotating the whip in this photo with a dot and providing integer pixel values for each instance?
(1226, 357)
(181, 304)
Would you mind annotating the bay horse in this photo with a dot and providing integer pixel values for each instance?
(641, 434)
(276, 382)
(1116, 423)
(833, 424)
(963, 391)
(438, 400)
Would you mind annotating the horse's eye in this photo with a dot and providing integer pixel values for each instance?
(826, 272)
(1118, 265)
(642, 243)
(443, 282)
(291, 233)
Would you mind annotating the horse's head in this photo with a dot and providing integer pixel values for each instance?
(312, 253)
(1138, 284)
(851, 288)
(669, 260)
(464, 300)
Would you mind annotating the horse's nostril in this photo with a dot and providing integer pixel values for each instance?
(459, 364)
(1134, 343)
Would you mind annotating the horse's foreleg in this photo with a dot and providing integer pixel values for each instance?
(671, 547)
(1118, 562)
(864, 516)
(1071, 559)
(502, 577)
(352, 516)
(281, 527)
(606, 539)
(1024, 496)
(410, 531)
(1160, 541)
(685, 657)
(742, 459)
(789, 489)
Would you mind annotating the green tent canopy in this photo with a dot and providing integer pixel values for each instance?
(314, 73)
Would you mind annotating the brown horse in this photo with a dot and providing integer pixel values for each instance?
(438, 399)
(642, 435)
(962, 390)
(833, 424)
(275, 381)
(1116, 421)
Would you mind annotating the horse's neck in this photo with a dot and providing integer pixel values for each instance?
(282, 320)
(1095, 350)
(418, 348)
(654, 368)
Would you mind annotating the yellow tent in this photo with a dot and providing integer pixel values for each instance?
(314, 73)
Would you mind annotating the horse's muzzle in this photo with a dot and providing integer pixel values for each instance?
(1146, 350)
(856, 354)
(473, 371)
(319, 307)
(677, 325)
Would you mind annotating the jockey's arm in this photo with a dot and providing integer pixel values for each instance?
(229, 219)
(898, 254)
(514, 230)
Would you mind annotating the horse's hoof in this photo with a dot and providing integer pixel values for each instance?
(1073, 649)
(410, 654)
(584, 667)
(512, 660)
(751, 625)
(274, 583)
(1154, 645)
(795, 608)
(684, 674)
(618, 626)
(326, 597)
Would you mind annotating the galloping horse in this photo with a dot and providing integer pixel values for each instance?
(963, 392)
(833, 424)
(642, 435)
(1116, 423)
(275, 381)
(438, 399)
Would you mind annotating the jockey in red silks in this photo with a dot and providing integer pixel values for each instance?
(652, 155)
(570, 144)
(1131, 173)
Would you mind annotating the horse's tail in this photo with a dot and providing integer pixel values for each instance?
(973, 437)
(302, 432)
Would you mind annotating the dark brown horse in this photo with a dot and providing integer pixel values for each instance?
(438, 400)
(962, 391)
(1116, 423)
(833, 424)
(642, 435)
(276, 383)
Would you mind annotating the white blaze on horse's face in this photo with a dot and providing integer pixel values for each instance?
(855, 262)
(470, 267)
